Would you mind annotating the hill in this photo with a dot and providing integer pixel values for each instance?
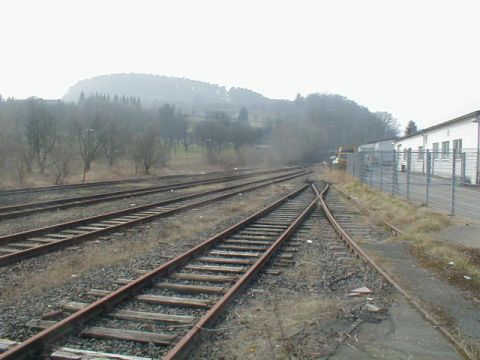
(154, 89)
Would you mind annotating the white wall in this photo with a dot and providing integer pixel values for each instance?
(465, 130)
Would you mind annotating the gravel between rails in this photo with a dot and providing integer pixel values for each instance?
(6, 200)
(27, 306)
(48, 218)
(253, 328)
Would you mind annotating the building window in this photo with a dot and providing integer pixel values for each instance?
(405, 152)
(435, 150)
(457, 146)
(445, 149)
(420, 153)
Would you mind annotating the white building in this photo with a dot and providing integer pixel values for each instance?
(458, 138)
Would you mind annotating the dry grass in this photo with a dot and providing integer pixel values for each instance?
(100, 171)
(280, 327)
(74, 263)
(418, 223)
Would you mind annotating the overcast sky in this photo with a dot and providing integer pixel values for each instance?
(419, 60)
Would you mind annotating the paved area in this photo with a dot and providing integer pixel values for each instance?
(404, 335)
(464, 233)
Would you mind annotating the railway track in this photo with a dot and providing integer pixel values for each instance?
(183, 295)
(168, 307)
(110, 182)
(348, 224)
(18, 246)
(14, 211)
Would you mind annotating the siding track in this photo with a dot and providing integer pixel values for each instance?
(111, 182)
(14, 211)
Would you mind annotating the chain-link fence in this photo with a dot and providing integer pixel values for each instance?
(445, 181)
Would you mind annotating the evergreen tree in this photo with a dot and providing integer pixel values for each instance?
(411, 128)
(81, 99)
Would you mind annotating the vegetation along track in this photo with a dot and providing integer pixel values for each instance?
(110, 182)
(13, 211)
(34, 242)
(347, 224)
(186, 293)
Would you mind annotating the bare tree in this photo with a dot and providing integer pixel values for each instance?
(40, 131)
(60, 160)
(390, 125)
(148, 150)
(90, 140)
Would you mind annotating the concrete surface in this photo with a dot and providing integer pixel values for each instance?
(403, 335)
(465, 233)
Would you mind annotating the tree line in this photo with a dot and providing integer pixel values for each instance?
(57, 137)
(64, 138)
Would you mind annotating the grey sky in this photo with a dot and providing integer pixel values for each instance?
(418, 59)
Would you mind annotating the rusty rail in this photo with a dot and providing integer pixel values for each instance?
(37, 344)
(109, 182)
(6, 259)
(182, 348)
(353, 246)
(13, 211)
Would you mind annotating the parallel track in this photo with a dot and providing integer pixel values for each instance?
(207, 278)
(35, 242)
(110, 182)
(14, 211)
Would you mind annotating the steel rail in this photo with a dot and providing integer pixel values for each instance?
(351, 244)
(13, 211)
(38, 343)
(37, 250)
(108, 182)
(393, 228)
(181, 349)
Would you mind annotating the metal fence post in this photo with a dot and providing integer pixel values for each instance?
(354, 157)
(409, 162)
(381, 171)
(394, 167)
(452, 205)
(370, 172)
(427, 176)
(359, 168)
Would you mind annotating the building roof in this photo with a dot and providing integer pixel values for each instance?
(445, 123)
(380, 140)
